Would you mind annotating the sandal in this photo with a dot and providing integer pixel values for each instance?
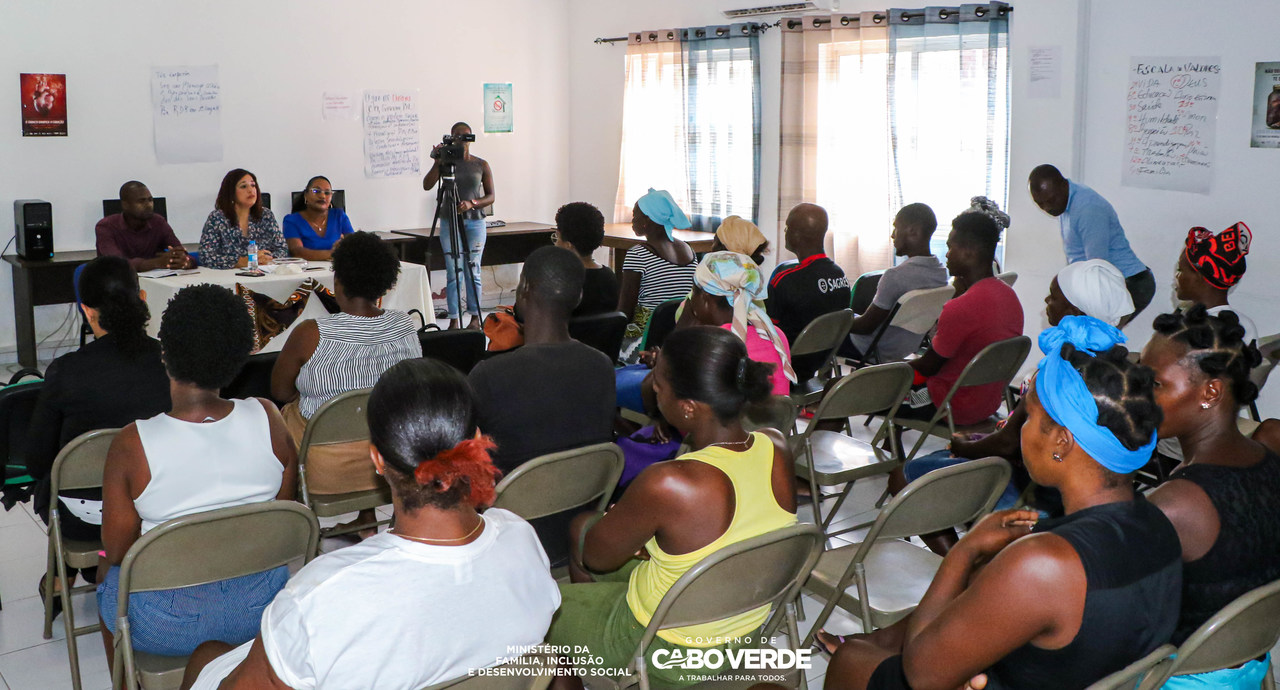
(823, 638)
(57, 598)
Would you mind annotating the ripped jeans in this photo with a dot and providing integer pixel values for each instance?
(474, 236)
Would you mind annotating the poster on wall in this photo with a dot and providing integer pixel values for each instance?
(339, 105)
(1172, 108)
(392, 147)
(498, 113)
(44, 104)
(186, 112)
(1266, 106)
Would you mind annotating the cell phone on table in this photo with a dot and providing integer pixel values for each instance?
(251, 274)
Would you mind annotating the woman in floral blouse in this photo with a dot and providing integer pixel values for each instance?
(238, 217)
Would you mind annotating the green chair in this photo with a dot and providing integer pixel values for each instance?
(79, 465)
(1130, 677)
(199, 549)
(17, 403)
(341, 419)
(891, 575)
(561, 481)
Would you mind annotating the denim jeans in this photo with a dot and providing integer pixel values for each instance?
(474, 235)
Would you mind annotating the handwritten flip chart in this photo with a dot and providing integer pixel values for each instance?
(1172, 119)
(187, 114)
(392, 146)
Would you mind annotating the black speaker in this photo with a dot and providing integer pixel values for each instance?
(33, 225)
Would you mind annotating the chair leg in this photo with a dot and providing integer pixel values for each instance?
(68, 622)
(50, 572)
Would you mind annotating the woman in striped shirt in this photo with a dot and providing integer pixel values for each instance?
(659, 269)
(326, 357)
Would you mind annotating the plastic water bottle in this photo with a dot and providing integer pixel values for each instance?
(253, 255)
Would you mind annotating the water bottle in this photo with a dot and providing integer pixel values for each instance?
(253, 255)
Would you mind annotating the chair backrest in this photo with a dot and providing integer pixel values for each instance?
(775, 412)
(110, 207)
(661, 322)
(341, 419)
(211, 546)
(1128, 677)
(998, 362)
(1267, 346)
(824, 334)
(17, 403)
(865, 391)
(266, 200)
(254, 379)
(80, 463)
(940, 499)
(918, 310)
(1008, 277)
(557, 482)
(604, 332)
(1243, 630)
(763, 570)
(864, 291)
(339, 200)
(461, 347)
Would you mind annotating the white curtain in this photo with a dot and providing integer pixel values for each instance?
(653, 122)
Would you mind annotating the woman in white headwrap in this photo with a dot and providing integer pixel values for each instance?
(1088, 288)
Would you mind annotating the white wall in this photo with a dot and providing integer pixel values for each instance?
(275, 59)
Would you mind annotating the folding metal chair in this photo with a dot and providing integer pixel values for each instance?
(916, 311)
(823, 336)
(561, 481)
(1130, 677)
(1008, 277)
(604, 332)
(341, 419)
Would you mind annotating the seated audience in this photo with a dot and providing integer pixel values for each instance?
(204, 453)
(659, 269)
(316, 226)
(115, 379)
(801, 291)
(737, 234)
(237, 218)
(1058, 603)
(731, 486)
(139, 234)
(580, 227)
(326, 357)
(1209, 266)
(447, 591)
(1222, 498)
(913, 228)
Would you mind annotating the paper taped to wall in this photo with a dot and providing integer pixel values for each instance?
(187, 114)
(392, 146)
(1172, 108)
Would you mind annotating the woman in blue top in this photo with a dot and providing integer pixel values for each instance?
(315, 226)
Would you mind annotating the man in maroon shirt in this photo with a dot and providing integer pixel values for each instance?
(139, 235)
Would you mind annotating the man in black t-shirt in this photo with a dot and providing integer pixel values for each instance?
(803, 290)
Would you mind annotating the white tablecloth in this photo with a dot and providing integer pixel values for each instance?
(412, 291)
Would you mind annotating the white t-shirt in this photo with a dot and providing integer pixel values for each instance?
(391, 613)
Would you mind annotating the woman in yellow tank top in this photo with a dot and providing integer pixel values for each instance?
(732, 486)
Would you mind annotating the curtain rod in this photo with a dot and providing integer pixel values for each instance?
(879, 17)
(721, 31)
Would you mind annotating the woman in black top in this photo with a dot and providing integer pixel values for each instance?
(114, 380)
(580, 227)
(1222, 497)
(1085, 594)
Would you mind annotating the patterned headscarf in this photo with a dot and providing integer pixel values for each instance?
(987, 207)
(661, 208)
(741, 236)
(1219, 259)
(737, 278)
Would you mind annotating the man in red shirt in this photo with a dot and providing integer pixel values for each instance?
(139, 234)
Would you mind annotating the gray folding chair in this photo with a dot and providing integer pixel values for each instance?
(998, 362)
(1267, 345)
(561, 481)
(1242, 631)
(776, 412)
(540, 672)
(891, 575)
(1129, 677)
(199, 549)
(78, 466)
(916, 311)
(764, 571)
(341, 419)
(829, 458)
(823, 336)
(1008, 277)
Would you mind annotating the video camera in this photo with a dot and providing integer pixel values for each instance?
(451, 148)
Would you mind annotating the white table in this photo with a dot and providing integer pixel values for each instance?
(412, 291)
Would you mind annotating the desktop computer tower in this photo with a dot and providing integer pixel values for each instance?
(33, 226)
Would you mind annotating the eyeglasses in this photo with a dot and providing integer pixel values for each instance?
(322, 192)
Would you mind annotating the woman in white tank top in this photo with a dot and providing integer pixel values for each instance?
(205, 453)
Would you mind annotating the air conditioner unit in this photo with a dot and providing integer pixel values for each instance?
(784, 8)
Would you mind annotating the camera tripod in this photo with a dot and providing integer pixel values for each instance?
(459, 250)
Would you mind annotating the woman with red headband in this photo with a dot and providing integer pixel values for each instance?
(1209, 266)
(447, 590)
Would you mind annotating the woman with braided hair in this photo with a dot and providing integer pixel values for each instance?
(448, 590)
(1222, 498)
(1024, 603)
(732, 485)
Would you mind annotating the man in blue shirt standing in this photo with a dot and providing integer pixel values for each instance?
(1091, 230)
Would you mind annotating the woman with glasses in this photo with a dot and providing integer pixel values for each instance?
(316, 225)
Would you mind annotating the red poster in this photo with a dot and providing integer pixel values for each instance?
(44, 105)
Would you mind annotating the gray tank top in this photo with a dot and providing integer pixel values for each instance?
(470, 176)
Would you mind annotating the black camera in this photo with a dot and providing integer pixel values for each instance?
(451, 148)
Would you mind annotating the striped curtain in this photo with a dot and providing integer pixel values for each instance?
(653, 122)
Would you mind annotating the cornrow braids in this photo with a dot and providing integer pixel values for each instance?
(1215, 343)
(1123, 392)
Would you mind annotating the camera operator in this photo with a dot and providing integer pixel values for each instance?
(475, 193)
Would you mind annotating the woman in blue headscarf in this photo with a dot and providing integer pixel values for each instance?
(1055, 603)
(660, 268)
